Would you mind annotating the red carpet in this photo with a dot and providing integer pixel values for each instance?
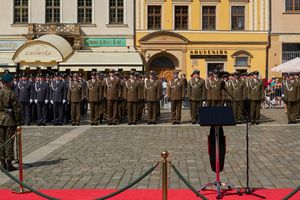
(271, 194)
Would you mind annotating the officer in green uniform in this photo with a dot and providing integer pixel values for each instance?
(215, 88)
(10, 117)
(256, 96)
(291, 97)
(196, 94)
(238, 87)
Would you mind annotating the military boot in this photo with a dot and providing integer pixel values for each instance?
(3, 164)
(10, 167)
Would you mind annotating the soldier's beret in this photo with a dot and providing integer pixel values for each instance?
(196, 71)
(93, 74)
(236, 74)
(47, 75)
(7, 78)
(57, 74)
(75, 75)
(112, 71)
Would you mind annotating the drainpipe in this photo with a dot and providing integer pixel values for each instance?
(269, 39)
(134, 24)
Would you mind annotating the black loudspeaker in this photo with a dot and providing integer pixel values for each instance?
(212, 148)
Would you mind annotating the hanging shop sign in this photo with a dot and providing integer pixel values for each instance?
(105, 42)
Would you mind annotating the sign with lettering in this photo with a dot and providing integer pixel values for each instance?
(38, 52)
(104, 42)
(10, 45)
(208, 52)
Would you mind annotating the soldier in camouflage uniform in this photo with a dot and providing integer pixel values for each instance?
(10, 118)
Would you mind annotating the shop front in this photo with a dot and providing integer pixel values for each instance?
(165, 51)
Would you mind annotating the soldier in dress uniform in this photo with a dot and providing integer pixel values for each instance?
(41, 98)
(176, 93)
(58, 99)
(141, 104)
(33, 105)
(196, 94)
(49, 105)
(152, 95)
(112, 95)
(94, 89)
(25, 98)
(84, 103)
(132, 96)
(208, 89)
(238, 88)
(291, 90)
(215, 89)
(121, 101)
(102, 101)
(227, 99)
(256, 95)
(10, 118)
(75, 97)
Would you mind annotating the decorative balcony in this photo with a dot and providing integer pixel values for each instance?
(69, 31)
(59, 29)
(289, 55)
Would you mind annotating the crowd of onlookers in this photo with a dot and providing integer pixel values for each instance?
(274, 93)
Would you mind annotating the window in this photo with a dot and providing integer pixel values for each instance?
(116, 12)
(154, 17)
(241, 61)
(209, 18)
(52, 11)
(238, 17)
(181, 17)
(21, 11)
(292, 5)
(85, 11)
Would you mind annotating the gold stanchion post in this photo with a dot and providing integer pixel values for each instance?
(164, 155)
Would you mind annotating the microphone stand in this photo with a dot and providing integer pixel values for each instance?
(248, 190)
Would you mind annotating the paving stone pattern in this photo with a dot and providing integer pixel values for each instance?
(111, 157)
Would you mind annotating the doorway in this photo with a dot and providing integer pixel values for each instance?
(163, 65)
(211, 67)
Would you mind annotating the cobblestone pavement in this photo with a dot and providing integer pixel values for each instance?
(112, 156)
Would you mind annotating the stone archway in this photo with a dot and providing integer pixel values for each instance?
(163, 64)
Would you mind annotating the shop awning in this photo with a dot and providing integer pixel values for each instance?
(46, 49)
(101, 61)
(6, 62)
(290, 66)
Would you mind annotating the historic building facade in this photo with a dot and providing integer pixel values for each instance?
(68, 35)
(229, 35)
(285, 34)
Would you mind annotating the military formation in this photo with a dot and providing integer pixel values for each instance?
(114, 98)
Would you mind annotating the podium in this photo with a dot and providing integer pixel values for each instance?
(216, 118)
